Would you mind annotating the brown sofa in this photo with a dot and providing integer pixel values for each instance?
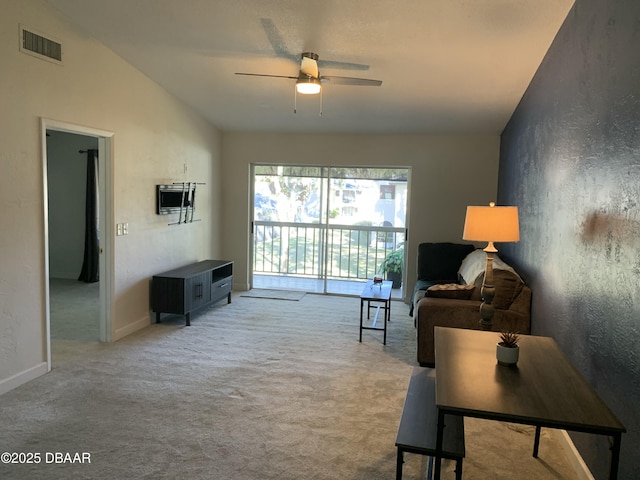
(458, 304)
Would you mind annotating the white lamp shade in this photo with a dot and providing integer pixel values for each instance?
(491, 224)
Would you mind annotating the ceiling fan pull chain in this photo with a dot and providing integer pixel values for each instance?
(295, 99)
(320, 102)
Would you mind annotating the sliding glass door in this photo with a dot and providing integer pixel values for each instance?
(326, 229)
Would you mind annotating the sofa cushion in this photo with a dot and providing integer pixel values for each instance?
(439, 262)
(507, 286)
(475, 263)
(451, 290)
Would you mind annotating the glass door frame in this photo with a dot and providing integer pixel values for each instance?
(325, 196)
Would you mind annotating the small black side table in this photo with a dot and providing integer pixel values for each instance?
(380, 294)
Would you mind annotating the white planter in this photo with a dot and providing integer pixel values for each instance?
(507, 356)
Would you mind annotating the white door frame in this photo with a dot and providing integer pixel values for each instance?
(105, 186)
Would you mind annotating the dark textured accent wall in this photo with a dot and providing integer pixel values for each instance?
(570, 159)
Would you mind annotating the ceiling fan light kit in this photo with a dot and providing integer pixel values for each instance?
(309, 91)
(308, 85)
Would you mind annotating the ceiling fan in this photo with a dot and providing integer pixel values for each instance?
(309, 81)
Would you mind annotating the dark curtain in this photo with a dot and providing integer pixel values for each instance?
(90, 264)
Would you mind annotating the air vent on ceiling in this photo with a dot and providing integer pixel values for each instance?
(36, 44)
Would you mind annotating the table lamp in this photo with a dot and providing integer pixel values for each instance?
(490, 224)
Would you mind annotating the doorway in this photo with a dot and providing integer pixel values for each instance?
(76, 311)
(327, 229)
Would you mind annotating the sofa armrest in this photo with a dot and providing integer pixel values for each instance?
(431, 312)
(418, 292)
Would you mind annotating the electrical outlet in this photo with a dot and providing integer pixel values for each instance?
(185, 168)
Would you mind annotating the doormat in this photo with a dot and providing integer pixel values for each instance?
(273, 294)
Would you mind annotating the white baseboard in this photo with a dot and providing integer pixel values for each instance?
(130, 328)
(571, 452)
(21, 378)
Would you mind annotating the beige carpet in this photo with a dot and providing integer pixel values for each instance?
(258, 389)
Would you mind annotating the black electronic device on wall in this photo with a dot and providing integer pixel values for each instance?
(174, 198)
(177, 198)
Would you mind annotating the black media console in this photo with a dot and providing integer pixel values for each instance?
(191, 287)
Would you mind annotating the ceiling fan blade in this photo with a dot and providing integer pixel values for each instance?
(264, 75)
(277, 42)
(365, 82)
(342, 65)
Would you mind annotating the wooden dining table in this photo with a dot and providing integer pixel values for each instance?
(544, 389)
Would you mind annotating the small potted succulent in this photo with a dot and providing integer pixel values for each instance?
(392, 266)
(507, 349)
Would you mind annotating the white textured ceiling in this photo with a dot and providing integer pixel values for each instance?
(447, 66)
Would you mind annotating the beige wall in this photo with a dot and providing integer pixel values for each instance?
(154, 135)
(447, 174)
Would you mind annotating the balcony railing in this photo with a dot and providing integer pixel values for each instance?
(310, 250)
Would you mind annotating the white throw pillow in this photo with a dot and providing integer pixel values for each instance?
(475, 263)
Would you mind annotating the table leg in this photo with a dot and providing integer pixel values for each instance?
(615, 456)
(399, 462)
(361, 307)
(536, 442)
(387, 314)
(439, 437)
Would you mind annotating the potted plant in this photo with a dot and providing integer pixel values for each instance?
(507, 349)
(392, 266)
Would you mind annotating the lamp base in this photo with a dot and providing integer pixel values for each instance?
(488, 291)
(486, 315)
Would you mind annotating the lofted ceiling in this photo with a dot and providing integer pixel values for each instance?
(447, 66)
